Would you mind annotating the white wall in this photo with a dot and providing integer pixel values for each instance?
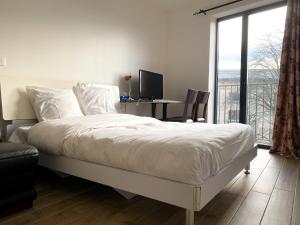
(191, 47)
(101, 40)
(92, 40)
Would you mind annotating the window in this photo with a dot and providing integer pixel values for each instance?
(248, 63)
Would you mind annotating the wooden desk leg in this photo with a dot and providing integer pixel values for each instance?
(153, 110)
(165, 107)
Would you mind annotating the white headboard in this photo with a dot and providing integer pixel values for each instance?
(14, 103)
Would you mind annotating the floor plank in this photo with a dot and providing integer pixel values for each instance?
(83, 213)
(229, 185)
(35, 214)
(279, 209)
(159, 216)
(296, 209)
(222, 211)
(267, 195)
(133, 212)
(177, 218)
(245, 183)
(252, 209)
(267, 181)
(276, 162)
(262, 159)
(288, 176)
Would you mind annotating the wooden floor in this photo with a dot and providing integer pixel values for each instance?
(270, 195)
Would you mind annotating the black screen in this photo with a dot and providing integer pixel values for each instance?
(151, 85)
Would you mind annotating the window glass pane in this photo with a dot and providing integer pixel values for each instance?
(229, 66)
(264, 49)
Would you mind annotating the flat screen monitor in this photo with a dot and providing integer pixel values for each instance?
(151, 85)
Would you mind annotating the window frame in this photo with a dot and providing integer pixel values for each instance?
(244, 58)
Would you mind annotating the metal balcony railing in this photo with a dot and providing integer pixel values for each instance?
(261, 98)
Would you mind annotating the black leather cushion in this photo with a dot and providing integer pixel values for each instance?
(16, 199)
(17, 183)
(16, 158)
(11, 150)
(17, 165)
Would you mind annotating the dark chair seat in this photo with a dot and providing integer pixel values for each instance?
(179, 119)
(189, 101)
(17, 168)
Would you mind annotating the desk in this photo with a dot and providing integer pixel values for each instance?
(153, 103)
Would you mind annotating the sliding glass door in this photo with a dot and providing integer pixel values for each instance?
(264, 50)
(229, 70)
(248, 59)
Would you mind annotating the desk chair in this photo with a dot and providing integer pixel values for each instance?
(190, 100)
(202, 99)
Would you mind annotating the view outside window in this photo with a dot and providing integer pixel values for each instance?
(265, 34)
(229, 66)
(264, 50)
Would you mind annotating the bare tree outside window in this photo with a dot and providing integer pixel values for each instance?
(263, 73)
(265, 34)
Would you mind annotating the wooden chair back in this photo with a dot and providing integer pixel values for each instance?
(202, 99)
(191, 98)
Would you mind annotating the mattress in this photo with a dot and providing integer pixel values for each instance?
(183, 152)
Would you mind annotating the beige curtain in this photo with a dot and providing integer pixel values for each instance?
(286, 133)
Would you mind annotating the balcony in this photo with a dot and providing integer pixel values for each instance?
(260, 107)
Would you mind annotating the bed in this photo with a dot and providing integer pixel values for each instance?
(140, 155)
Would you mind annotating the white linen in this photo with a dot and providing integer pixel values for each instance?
(52, 103)
(20, 135)
(97, 99)
(187, 153)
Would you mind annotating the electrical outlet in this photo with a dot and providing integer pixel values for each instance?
(3, 61)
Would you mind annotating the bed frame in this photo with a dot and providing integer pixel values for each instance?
(14, 105)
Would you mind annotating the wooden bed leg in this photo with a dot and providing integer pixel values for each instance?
(189, 217)
(247, 169)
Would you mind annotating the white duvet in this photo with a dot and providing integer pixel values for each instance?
(187, 153)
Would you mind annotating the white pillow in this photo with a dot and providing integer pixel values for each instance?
(50, 103)
(97, 99)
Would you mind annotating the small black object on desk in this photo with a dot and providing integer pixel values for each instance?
(153, 103)
(17, 177)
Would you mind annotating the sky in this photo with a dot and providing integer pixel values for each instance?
(230, 32)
